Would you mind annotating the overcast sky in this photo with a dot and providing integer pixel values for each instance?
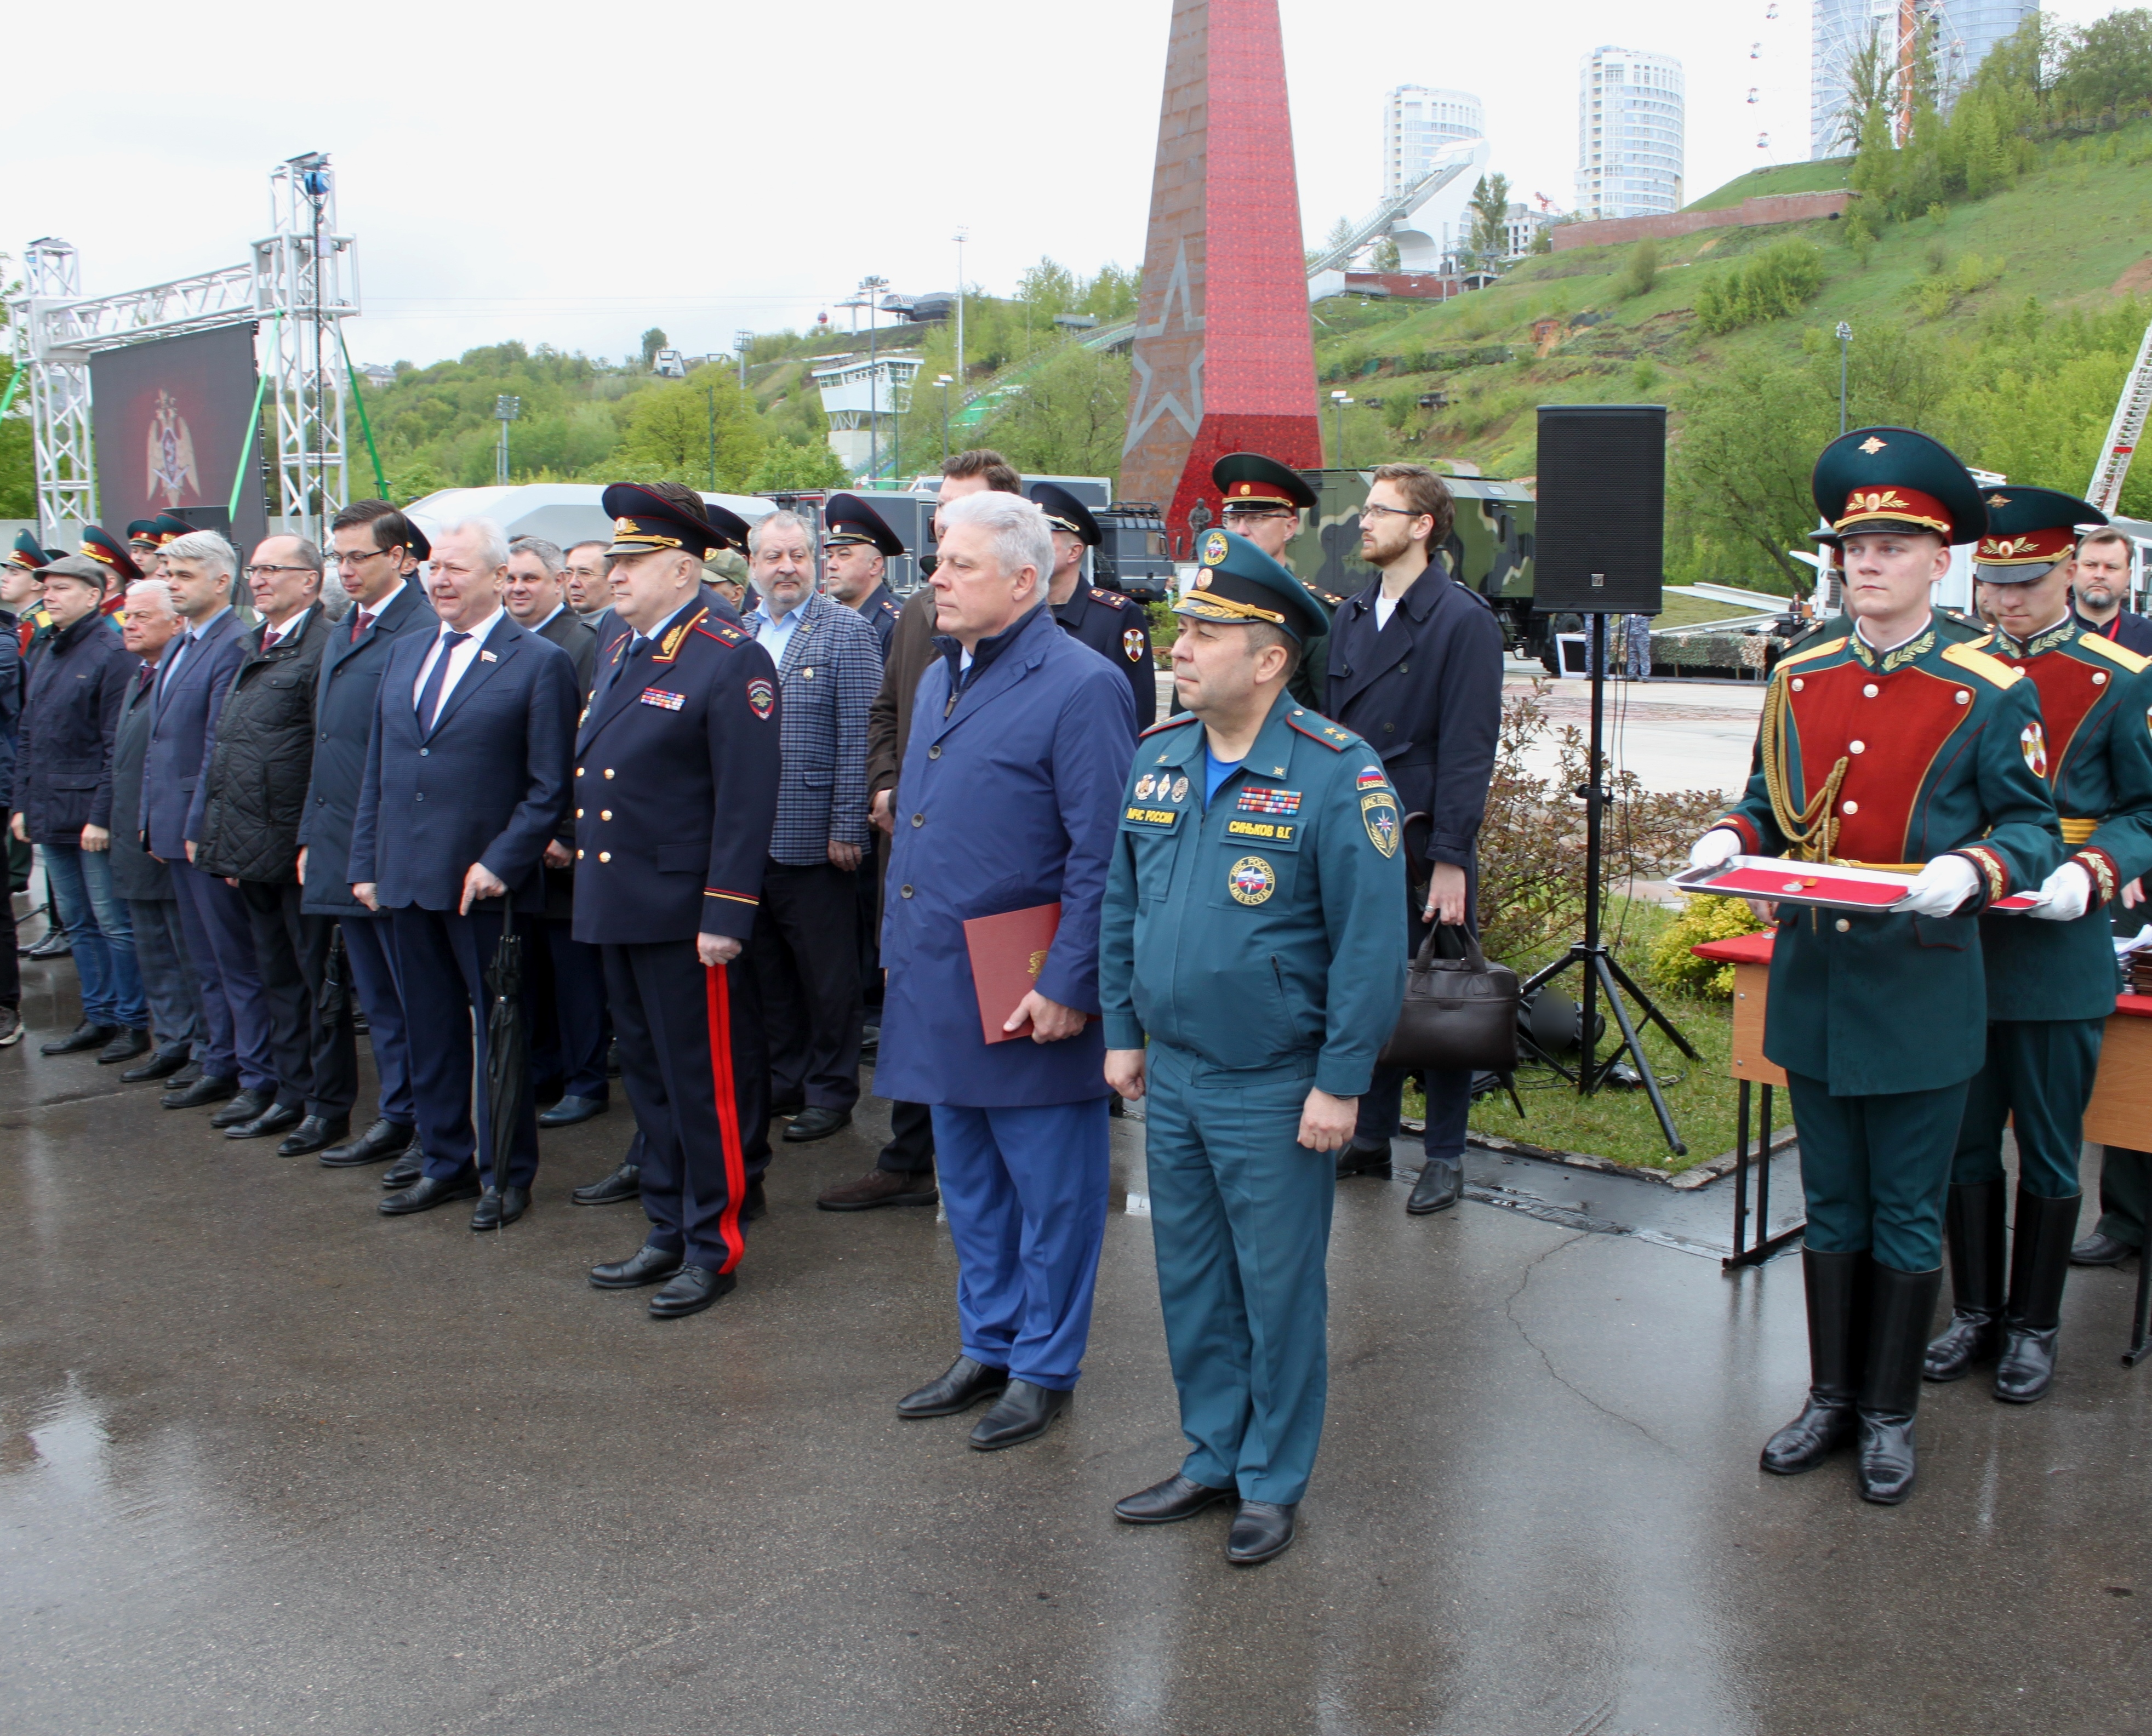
(571, 176)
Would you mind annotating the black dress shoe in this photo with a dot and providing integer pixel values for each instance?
(1020, 1414)
(162, 1065)
(499, 1206)
(245, 1107)
(2098, 1249)
(425, 1193)
(646, 1265)
(128, 1044)
(210, 1088)
(1441, 1186)
(1359, 1160)
(754, 1205)
(693, 1289)
(383, 1140)
(569, 1110)
(817, 1123)
(277, 1118)
(624, 1183)
(84, 1037)
(317, 1133)
(963, 1384)
(407, 1169)
(186, 1075)
(1261, 1530)
(1176, 1497)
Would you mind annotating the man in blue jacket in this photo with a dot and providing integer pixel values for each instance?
(465, 789)
(1008, 800)
(378, 552)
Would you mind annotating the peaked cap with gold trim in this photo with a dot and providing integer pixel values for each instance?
(2030, 532)
(1877, 480)
(643, 519)
(1237, 582)
(1248, 479)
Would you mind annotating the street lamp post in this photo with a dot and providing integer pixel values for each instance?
(506, 408)
(959, 238)
(871, 288)
(1339, 399)
(1845, 338)
(942, 381)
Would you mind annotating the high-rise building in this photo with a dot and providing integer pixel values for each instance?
(1418, 124)
(1629, 134)
(1961, 34)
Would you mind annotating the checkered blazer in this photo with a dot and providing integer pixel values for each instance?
(831, 673)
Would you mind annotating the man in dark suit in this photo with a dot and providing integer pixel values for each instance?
(1107, 622)
(192, 680)
(466, 783)
(63, 795)
(564, 987)
(377, 552)
(245, 826)
(2101, 586)
(676, 789)
(1415, 670)
(148, 630)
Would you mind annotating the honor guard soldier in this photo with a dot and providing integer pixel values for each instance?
(1251, 934)
(146, 538)
(109, 552)
(1887, 747)
(22, 594)
(1262, 500)
(857, 546)
(675, 793)
(1112, 625)
(2051, 983)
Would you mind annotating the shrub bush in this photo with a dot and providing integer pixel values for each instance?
(1781, 279)
(1679, 971)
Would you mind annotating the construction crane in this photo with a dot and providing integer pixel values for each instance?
(2124, 433)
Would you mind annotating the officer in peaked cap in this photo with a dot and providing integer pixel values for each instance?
(145, 536)
(1262, 500)
(1250, 939)
(120, 567)
(675, 792)
(1879, 1020)
(21, 597)
(1838, 474)
(2050, 983)
(857, 546)
(1112, 625)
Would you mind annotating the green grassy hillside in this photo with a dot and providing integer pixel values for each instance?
(1826, 176)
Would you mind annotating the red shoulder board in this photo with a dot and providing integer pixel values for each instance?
(1171, 723)
(1316, 730)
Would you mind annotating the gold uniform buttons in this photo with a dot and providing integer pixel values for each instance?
(608, 775)
(579, 771)
(605, 813)
(579, 813)
(579, 855)
(605, 856)
(1842, 925)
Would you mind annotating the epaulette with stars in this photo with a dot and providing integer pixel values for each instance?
(1315, 729)
(723, 632)
(1174, 722)
(1111, 599)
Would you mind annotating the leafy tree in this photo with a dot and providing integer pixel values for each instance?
(653, 341)
(1781, 279)
(2106, 65)
(1643, 269)
(786, 465)
(702, 431)
(1068, 419)
(1490, 214)
(1867, 92)
(1739, 478)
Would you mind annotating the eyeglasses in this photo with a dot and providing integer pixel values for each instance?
(347, 559)
(1403, 512)
(271, 572)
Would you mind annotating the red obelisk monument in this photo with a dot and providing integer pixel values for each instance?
(1224, 361)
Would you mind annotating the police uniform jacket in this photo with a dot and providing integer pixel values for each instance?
(64, 768)
(2096, 728)
(1118, 630)
(487, 783)
(880, 611)
(1263, 928)
(345, 692)
(182, 723)
(828, 677)
(676, 785)
(1897, 758)
(1009, 797)
(1425, 692)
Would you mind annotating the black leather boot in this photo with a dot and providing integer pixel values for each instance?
(1836, 1286)
(2039, 1266)
(1972, 1232)
(1901, 1306)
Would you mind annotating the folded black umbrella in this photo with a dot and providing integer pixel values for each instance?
(335, 996)
(507, 1049)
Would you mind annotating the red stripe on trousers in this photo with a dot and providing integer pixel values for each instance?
(720, 988)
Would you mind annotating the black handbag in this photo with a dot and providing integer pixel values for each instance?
(1459, 1011)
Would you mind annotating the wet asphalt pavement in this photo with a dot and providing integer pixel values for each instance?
(271, 1463)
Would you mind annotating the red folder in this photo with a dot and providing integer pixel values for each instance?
(1008, 954)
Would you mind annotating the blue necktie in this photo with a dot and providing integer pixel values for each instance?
(429, 700)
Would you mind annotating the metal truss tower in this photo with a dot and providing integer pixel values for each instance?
(302, 280)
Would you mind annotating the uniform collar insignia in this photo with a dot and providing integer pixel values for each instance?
(1911, 652)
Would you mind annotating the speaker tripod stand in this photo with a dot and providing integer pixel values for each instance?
(1601, 969)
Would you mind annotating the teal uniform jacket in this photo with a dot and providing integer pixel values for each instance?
(1893, 758)
(1264, 930)
(2096, 720)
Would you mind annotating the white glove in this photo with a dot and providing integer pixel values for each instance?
(1720, 845)
(2065, 895)
(1944, 884)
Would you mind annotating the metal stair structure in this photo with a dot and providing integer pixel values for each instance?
(2124, 433)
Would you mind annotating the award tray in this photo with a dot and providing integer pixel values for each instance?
(1829, 885)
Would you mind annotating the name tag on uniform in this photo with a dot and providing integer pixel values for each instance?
(662, 699)
(1277, 834)
(1140, 818)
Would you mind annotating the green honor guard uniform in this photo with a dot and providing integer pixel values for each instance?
(1251, 934)
(1912, 754)
(2051, 982)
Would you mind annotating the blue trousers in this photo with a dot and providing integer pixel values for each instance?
(1240, 1214)
(2038, 1078)
(168, 978)
(101, 931)
(1448, 1111)
(235, 1012)
(440, 960)
(1876, 1170)
(1025, 1190)
(371, 948)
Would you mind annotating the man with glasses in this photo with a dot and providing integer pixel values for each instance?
(1262, 500)
(378, 553)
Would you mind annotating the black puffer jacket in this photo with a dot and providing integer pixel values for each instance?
(254, 789)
